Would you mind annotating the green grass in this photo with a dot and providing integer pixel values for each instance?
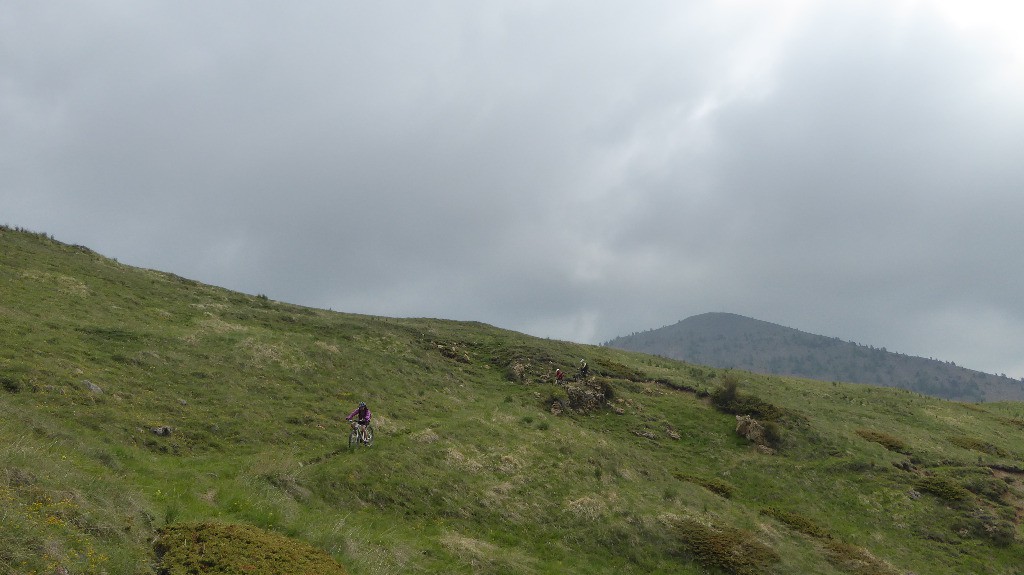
(471, 471)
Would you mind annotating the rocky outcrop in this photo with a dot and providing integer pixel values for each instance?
(755, 432)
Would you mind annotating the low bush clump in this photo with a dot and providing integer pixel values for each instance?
(715, 486)
(553, 394)
(980, 481)
(977, 445)
(229, 548)
(987, 526)
(991, 488)
(943, 488)
(884, 439)
(10, 384)
(728, 399)
(797, 522)
(732, 550)
(856, 560)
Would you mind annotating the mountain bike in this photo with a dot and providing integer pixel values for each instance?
(360, 434)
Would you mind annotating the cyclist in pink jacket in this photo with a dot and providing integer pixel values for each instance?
(362, 416)
(361, 413)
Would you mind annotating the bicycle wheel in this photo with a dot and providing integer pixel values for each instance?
(368, 436)
(352, 438)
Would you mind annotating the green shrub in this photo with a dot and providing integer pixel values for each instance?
(229, 548)
(884, 439)
(728, 392)
(735, 551)
(990, 488)
(772, 433)
(856, 560)
(10, 384)
(555, 394)
(715, 486)
(977, 445)
(606, 388)
(980, 481)
(728, 399)
(797, 522)
(943, 488)
(985, 525)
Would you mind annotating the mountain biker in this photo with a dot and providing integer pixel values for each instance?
(559, 375)
(583, 368)
(362, 415)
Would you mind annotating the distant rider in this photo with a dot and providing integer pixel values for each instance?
(362, 415)
(584, 370)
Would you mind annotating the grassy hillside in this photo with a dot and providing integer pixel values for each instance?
(732, 341)
(151, 424)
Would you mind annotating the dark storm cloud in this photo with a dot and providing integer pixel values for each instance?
(571, 170)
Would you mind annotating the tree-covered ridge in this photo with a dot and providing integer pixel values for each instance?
(733, 341)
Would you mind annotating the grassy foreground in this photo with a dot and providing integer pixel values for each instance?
(151, 424)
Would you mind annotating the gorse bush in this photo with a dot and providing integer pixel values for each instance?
(191, 548)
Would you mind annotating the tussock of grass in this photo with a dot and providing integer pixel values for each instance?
(884, 439)
(797, 522)
(735, 551)
(943, 488)
(487, 557)
(856, 560)
(978, 445)
(716, 486)
(190, 548)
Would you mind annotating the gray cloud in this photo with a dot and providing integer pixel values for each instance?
(575, 171)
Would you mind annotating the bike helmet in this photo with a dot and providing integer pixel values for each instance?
(362, 404)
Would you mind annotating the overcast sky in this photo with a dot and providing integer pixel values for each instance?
(576, 170)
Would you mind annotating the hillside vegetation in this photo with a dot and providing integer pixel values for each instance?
(732, 341)
(150, 424)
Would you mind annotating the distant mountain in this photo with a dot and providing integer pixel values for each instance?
(728, 340)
